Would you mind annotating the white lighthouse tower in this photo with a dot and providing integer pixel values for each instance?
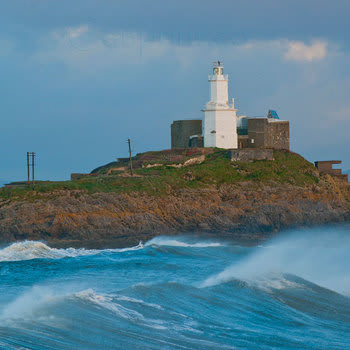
(220, 120)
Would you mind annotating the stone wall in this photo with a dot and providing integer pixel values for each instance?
(278, 135)
(326, 167)
(181, 130)
(245, 155)
(265, 133)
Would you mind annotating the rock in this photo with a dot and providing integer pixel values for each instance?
(249, 210)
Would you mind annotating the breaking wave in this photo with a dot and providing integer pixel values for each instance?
(29, 250)
(198, 294)
(321, 257)
(171, 242)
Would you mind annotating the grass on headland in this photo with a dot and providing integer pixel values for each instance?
(217, 169)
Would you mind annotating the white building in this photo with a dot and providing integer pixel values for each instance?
(220, 120)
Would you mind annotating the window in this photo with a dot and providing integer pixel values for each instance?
(218, 71)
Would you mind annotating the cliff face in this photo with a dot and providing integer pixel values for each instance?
(246, 211)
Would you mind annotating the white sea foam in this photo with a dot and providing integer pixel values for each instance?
(320, 256)
(171, 242)
(138, 301)
(29, 250)
(122, 250)
(108, 302)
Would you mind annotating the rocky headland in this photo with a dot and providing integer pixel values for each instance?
(209, 195)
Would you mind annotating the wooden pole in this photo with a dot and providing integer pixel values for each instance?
(33, 179)
(28, 171)
(131, 172)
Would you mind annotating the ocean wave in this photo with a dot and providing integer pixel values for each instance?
(138, 301)
(39, 297)
(29, 250)
(42, 304)
(164, 320)
(319, 257)
(129, 249)
(149, 297)
(268, 282)
(28, 304)
(106, 301)
(171, 242)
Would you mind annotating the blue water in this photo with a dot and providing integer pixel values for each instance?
(179, 293)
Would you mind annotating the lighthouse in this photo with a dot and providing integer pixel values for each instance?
(220, 120)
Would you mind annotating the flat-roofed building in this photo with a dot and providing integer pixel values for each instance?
(270, 132)
(182, 130)
(326, 167)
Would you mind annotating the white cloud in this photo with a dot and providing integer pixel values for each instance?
(76, 32)
(82, 47)
(298, 51)
(259, 77)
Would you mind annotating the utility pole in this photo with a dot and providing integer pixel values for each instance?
(129, 143)
(33, 156)
(31, 163)
(28, 169)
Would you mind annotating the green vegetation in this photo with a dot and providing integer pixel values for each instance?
(163, 176)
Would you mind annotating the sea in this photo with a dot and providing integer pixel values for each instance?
(180, 292)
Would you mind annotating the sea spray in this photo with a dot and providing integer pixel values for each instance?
(319, 255)
(148, 296)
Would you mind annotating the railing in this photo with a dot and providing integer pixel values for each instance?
(218, 77)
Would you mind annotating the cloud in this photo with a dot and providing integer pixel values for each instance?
(78, 31)
(82, 46)
(298, 51)
(87, 78)
(187, 19)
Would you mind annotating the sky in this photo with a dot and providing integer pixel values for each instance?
(80, 77)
